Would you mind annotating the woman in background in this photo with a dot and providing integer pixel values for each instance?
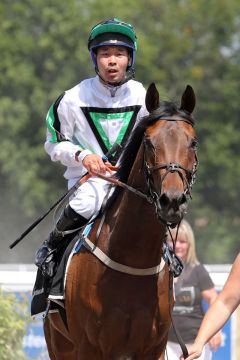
(192, 287)
(217, 315)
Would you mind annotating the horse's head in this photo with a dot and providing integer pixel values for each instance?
(170, 153)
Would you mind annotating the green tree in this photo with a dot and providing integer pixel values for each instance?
(43, 52)
(13, 322)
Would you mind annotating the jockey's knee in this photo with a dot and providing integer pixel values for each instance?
(88, 199)
(86, 209)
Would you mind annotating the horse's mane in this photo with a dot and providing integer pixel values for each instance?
(166, 109)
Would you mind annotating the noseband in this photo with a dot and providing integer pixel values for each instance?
(171, 168)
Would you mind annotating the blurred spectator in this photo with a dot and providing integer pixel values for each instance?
(227, 301)
(191, 287)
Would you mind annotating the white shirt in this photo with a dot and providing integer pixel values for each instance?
(91, 119)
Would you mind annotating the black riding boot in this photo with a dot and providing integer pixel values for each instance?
(44, 258)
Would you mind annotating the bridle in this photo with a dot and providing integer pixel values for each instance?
(188, 176)
(171, 168)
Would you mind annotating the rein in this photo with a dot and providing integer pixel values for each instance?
(154, 198)
(125, 186)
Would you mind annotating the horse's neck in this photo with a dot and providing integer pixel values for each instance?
(136, 237)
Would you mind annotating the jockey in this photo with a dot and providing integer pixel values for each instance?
(85, 122)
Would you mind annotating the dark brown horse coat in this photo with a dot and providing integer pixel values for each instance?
(113, 315)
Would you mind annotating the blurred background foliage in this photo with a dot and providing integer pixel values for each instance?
(14, 318)
(43, 46)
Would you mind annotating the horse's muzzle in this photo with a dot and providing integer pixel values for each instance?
(173, 206)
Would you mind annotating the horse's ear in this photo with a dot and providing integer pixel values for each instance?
(188, 100)
(152, 98)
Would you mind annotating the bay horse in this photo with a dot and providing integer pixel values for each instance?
(118, 305)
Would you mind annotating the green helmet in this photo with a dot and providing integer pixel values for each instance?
(114, 27)
(113, 32)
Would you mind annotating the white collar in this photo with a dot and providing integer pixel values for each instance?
(107, 89)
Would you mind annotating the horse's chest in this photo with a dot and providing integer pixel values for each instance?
(129, 330)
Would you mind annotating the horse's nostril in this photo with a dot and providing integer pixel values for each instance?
(172, 200)
(164, 200)
(182, 199)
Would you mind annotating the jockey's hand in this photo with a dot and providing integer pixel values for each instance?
(95, 165)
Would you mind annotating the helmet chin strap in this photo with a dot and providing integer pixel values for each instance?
(130, 74)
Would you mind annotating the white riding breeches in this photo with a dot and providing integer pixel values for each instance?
(88, 198)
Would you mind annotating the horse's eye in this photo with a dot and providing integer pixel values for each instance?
(194, 144)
